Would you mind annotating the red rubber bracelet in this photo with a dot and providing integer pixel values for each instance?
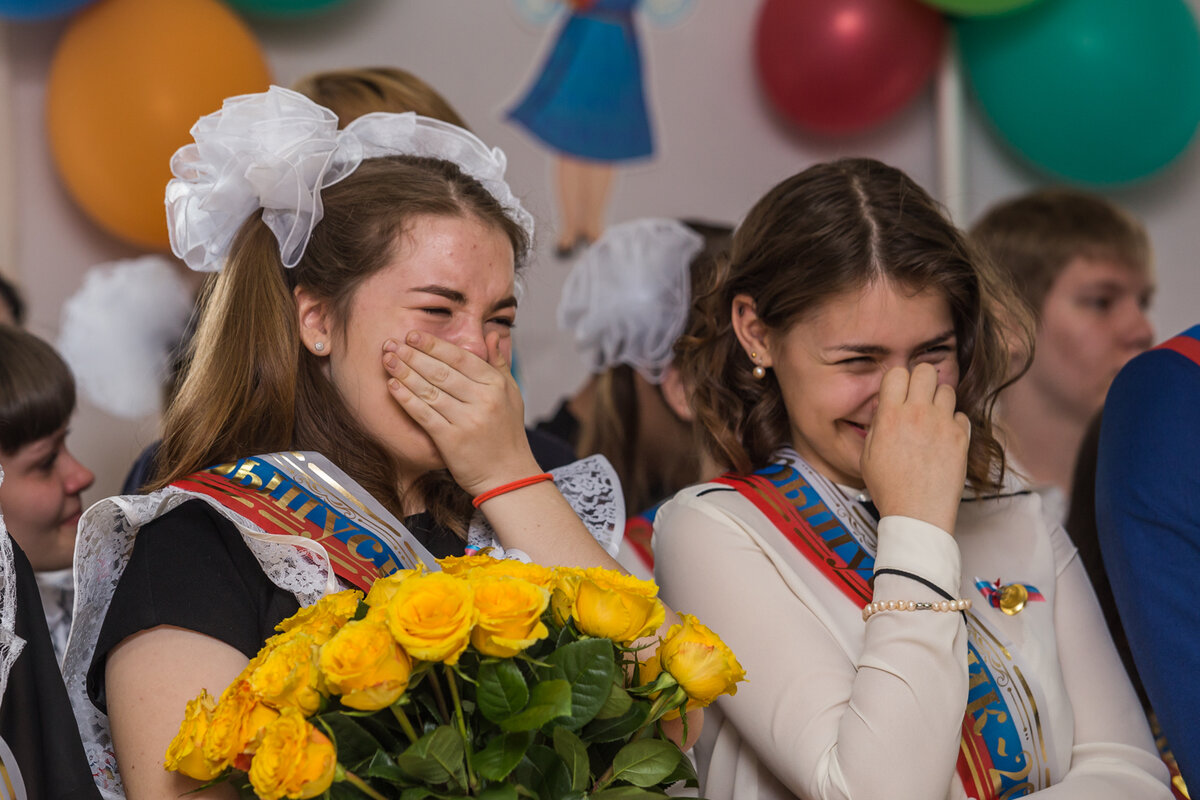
(509, 487)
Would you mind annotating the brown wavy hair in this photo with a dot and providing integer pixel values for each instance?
(830, 229)
(350, 93)
(251, 387)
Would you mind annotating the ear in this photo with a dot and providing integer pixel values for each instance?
(752, 332)
(315, 320)
(675, 394)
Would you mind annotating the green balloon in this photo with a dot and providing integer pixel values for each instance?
(978, 8)
(1096, 91)
(282, 8)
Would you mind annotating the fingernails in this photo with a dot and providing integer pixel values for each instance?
(413, 337)
(390, 361)
(389, 346)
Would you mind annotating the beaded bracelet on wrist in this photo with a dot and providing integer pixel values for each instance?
(914, 605)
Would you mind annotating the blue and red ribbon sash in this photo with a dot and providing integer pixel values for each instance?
(989, 765)
(303, 494)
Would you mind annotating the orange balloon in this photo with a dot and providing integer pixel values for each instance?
(128, 81)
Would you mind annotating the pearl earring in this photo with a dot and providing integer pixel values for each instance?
(319, 347)
(759, 372)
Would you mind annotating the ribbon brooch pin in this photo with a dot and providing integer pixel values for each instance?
(1009, 597)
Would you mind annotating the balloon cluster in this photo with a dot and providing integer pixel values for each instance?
(128, 80)
(1095, 91)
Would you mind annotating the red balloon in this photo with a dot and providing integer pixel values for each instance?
(837, 66)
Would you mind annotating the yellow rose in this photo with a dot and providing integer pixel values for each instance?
(236, 725)
(293, 760)
(509, 615)
(431, 616)
(383, 588)
(461, 565)
(287, 675)
(185, 754)
(562, 593)
(363, 664)
(615, 606)
(702, 664)
(474, 566)
(323, 618)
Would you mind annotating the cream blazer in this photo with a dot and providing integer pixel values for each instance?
(838, 709)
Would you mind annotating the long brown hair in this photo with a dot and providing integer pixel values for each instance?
(833, 228)
(251, 387)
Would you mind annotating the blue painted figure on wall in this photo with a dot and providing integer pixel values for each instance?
(588, 104)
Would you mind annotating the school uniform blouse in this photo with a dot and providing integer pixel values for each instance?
(837, 708)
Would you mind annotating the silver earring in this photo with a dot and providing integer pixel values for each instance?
(759, 372)
(319, 347)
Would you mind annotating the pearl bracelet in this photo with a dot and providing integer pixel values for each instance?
(913, 605)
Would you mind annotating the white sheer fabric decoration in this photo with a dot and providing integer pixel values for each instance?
(106, 535)
(592, 488)
(295, 564)
(119, 331)
(626, 299)
(276, 150)
(11, 644)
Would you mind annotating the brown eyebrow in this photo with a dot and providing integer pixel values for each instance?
(877, 350)
(459, 299)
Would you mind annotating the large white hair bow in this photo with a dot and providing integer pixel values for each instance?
(626, 299)
(276, 150)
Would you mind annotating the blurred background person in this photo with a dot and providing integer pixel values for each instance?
(625, 302)
(1085, 268)
(43, 481)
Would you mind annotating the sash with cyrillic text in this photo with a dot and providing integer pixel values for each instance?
(304, 494)
(1004, 752)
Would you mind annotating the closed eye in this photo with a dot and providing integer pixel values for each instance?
(507, 322)
(438, 311)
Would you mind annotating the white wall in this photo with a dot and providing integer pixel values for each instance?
(720, 147)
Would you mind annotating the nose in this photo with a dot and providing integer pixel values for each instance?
(76, 477)
(471, 338)
(1139, 329)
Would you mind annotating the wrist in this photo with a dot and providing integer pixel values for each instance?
(511, 486)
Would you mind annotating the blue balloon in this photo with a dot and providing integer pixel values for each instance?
(27, 10)
(1094, 91)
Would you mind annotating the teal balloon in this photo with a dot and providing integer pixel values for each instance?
(283, 8)
(978, 8)
(1095, 91)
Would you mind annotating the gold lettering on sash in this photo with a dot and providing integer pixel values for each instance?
(284, 523)
(273, 484)
(981, 703)
(244, 471)
(223, 469)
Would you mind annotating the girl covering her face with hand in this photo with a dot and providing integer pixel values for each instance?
(923, 630)
(362, 312)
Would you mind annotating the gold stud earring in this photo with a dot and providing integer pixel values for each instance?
(759, 372)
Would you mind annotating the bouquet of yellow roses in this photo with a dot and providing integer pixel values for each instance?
(488, 679)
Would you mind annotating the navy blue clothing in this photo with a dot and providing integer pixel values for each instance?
(37, 726)
(1148, 517)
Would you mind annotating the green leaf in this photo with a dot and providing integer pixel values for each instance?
(383, 767)
(617, 728)
(685, 771)
(501, 691)
(549, 700)
(590, 667)
(354, 744)
(548, 776)
(503, 791)
(618, 702)
(646, 762)
(574, 755)
(501, 755)
(437, 757)
(626, 793)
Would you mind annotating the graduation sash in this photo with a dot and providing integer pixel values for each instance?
(305, 495)
(1005, 752)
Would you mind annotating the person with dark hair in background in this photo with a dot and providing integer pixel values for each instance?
(42, 494)
(12, 305)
